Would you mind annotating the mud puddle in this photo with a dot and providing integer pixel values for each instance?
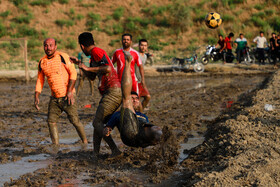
(29, 164)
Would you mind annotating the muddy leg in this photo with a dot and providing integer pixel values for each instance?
(81, 83)
(53, 133)
(81, 132)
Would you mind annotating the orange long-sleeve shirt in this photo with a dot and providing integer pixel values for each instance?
(58, 69)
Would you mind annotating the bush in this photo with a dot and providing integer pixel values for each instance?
(258, 21)
(260, 15)
(227, 18)
(93, 21)
(118, 13)
(5, 14)
(112, 42)
(24, 30)
(275, 23)
(211, 40)
(34, 43)
(41, 2)
(215, 5)
(62, 22)
(79, 17)
(269, 12)
(118, 29)
(259, 7)
(63, 1)
(71, 44)
(18, 2)
(3, 30)
(23, 18)
(88, 5)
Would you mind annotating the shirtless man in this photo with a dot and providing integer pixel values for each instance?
(134, 127)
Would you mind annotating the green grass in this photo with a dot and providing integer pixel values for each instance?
(5, 14)
(93, 21)
(3, 30)
(70, 43)
(43, 3)
(23, 18)
(118, 13)
(63, 22)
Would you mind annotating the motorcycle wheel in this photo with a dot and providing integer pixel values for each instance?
(204, 60)
(248, 60)
(175, 65)
(198, 67)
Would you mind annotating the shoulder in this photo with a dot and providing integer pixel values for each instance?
(133, 51)
(118, 51)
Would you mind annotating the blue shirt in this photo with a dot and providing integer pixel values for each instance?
(115, 119)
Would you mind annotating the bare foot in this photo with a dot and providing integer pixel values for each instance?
(115, 154)
(107, 131)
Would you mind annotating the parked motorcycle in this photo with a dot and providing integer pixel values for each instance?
(179, 64)
(213, 54)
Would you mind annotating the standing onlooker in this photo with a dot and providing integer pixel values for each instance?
(143, 91)
(228, 42)
(261, 44)
(61, 75)
(272, 41)
(119, 58)
(85, 60)
(277, 48)
(241, 44)
(221, 42)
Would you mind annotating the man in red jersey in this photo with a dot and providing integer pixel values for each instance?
(119, 58)
(228, 42)
(109, 87)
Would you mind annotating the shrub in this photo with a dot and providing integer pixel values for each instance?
(93, 21)
(3, 30)
(88, 5)
(215, 5)
(118, 13)
(112, 42)
(211, 40)
(79, 17)
(5, 14)
(23, 18)
(159, 10)
(24, 30)
(41, 2)
(34, 43)
(269, 12)
(71, 44)
(63, 1)
(275, 23)
(118, 29)
(63, 22)
(18, 2)
(258, 21)
(227, 18)
(260, 15)
(258, 6)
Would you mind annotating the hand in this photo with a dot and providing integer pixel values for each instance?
(82, 66)
(70, 98)
(36, 103)
(74, 60)
(143, 84)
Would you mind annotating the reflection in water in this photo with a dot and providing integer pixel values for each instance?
(23, 166)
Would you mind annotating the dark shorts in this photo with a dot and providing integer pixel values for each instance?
(57, 106)
(132, 132)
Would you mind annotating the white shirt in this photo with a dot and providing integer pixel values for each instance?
(261, 41)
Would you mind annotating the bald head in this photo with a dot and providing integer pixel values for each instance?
(50, 46)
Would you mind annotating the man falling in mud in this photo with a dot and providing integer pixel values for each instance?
(109, 88)
(134, 127)
(61, 75)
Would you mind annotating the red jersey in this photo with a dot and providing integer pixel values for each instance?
(109, 80)
(120, 59)
(228, 43)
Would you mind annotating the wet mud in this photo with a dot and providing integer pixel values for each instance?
(187, 108)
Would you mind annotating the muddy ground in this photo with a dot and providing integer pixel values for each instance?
(241, 144)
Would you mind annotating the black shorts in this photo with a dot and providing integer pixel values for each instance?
(132, 132)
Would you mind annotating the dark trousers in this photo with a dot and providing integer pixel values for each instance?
(260, 52)
(274, 56)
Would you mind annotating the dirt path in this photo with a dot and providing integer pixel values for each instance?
(229, 106)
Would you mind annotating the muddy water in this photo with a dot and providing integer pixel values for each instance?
(184, 105)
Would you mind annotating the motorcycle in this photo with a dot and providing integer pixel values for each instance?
(179, 64)
(267, 55)
(247, 56)
(213, 54)
(150, 59)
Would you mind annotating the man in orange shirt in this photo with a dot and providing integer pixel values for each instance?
(61, 75)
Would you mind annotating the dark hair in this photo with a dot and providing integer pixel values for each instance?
(127, 34)
(241, 34)
(261, 32)
(134, 93)
(220, 35)
(86, 39)
(231, 34)
(274, 33)
(142, 40)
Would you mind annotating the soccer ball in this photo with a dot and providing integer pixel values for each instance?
(213, 20)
